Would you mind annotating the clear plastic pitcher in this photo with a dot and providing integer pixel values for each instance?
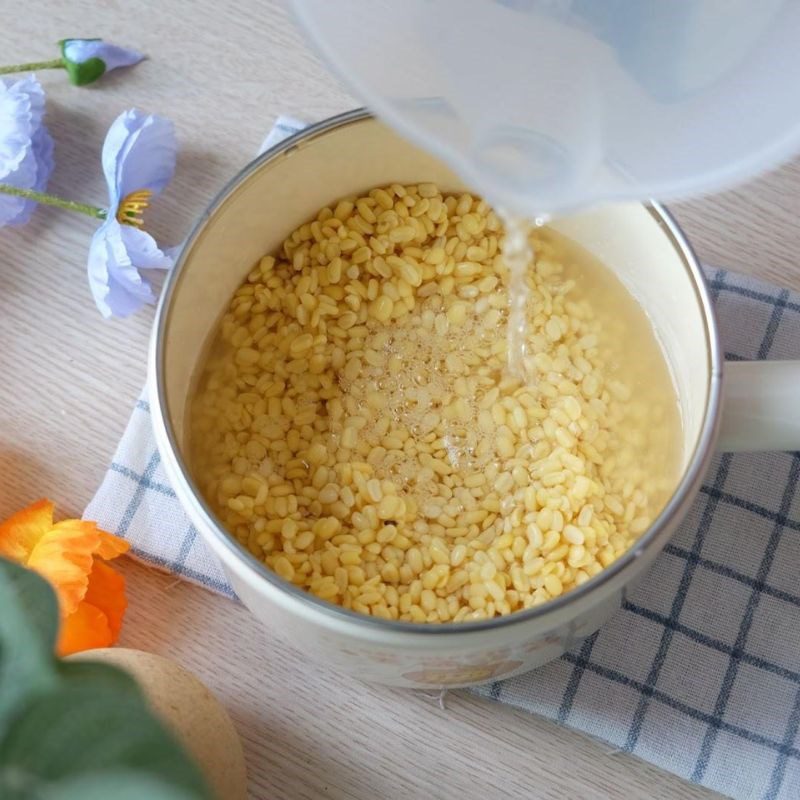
(546, 105)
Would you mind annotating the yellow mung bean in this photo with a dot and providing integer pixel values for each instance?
(356, 426)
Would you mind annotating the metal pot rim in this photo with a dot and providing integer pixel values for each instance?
(654, 537)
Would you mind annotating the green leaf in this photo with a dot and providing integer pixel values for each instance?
(28, 626)
(80, 728)
(68, 728)
(100, 677)
(36, 599)
(117, 784)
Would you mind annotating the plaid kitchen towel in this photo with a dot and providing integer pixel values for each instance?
(699, 672)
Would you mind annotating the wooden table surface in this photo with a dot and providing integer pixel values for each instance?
(69, 380)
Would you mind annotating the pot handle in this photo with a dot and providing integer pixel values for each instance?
(761, 406)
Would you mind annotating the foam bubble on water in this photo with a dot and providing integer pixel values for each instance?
(417, 387)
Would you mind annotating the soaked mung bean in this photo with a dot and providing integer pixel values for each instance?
(357, 428)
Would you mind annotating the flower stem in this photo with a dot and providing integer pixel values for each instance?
(56, 63)
(50, 200)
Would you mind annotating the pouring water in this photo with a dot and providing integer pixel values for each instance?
(547, 106)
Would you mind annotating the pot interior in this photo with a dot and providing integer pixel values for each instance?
(280, 192)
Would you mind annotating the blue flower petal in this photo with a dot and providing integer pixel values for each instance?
(42, 147)
(174, 251)
(40, 162)
(139, 153)
(21, 112)
(116, 255)
(81, 50)
(142, 249)
(26, 149)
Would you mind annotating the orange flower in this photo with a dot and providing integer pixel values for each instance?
(91, 595)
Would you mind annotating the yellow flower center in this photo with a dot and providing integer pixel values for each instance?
(131, 208)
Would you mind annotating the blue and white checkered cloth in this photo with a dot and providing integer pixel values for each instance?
(699, 672)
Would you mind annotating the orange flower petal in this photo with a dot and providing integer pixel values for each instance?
(20, 533)
(96, 622)
(84, 629)
(107, 592)
(64, 556)
(110, 546)
(91, 595)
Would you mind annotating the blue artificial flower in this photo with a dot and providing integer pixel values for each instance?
(88, 59)
(26, 149)
(138, 161)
